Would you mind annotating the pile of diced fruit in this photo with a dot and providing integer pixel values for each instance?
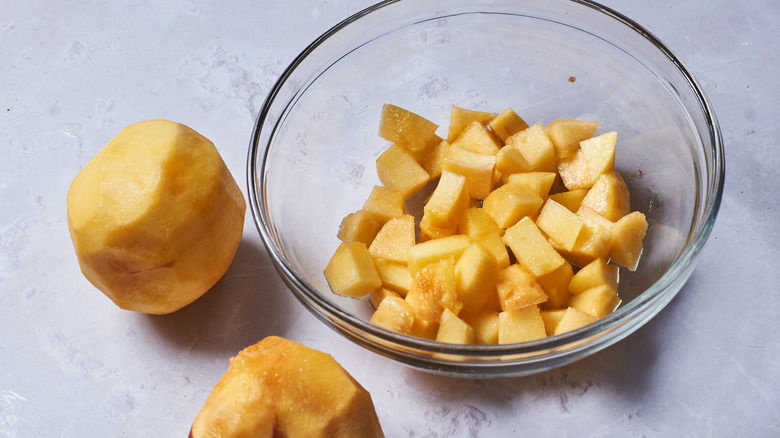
(521, 238)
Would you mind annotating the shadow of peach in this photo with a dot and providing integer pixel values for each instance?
(247, 304)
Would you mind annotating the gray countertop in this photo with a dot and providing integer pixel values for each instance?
(72, 364)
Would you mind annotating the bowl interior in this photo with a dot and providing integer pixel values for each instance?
(318, 141)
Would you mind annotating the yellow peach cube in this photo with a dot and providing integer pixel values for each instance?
(509, 203)
(594, 274)
(432, 159)
(517, 288)
(433, 290)
(599, 153)
(377, 295)
(566, 135)
(482, 229)
(477, 168)
(520, 325)
(627, 236)
(609, 197)
(594, 241)
(461, 118)
(476, 138)
(425, 329)
(556, 285)
(561, 225)
(485, 325)
(476, 273)
(574, 172)
(570, 199)
(393, 241)
(399, 170)
(573, 319)
(395, 276)
(444, 208)
(359, 226)
(351, 271)
(405, 128)
(532, 249)
(536, 147)
(393, 313)
(551, 319)
(540, 182)
(431, 251)
(507, 124)
(598, 301)
(509, 160)
(384, 203)
(454, 330)
(591, 217)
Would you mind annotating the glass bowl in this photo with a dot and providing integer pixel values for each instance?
(313, 150)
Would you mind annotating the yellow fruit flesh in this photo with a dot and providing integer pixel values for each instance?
(280, 388)
(351, 271)
(155, 217)
(463, 238)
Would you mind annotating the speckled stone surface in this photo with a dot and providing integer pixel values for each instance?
(74, 365)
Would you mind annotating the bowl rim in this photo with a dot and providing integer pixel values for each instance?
(365, 333)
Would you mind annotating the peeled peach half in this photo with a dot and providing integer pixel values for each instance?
(279, 388)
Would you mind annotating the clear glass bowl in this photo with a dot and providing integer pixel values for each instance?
(312, 154)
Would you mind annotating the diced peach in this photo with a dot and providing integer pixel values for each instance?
(593, 242)
(395, 276)
(594, 274)
(520, 325)
(627, 236)
(566, 135)
(506, 124)
(399, 170)
(384, 203)
(532, 249)
(482, 229)
(476, 273)
(509, 160)
(405, 128)
(551, 319)
(540, 182)
(609, 196)
(556, 285)
(432, 158)
(561, 225)
(536, 147)
(393, 313)
(598, 301)
(444, 208)
(509, 203)
(433, 290)
(517, 288)
(485, 325)
(574, 172)
(425, 329)
(359, 226)
(573, 319)
(599, 153)
(454, 330)
(476, 138)
(394, 239)
(431, 251)
(476, 167)
(351, 271)
(570, 199)
(461, 118)
(377, 295)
